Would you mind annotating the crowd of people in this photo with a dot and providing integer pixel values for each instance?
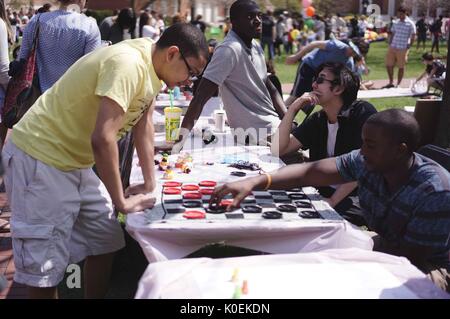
(364, 163)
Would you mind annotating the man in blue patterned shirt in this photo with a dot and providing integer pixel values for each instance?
(405, 196)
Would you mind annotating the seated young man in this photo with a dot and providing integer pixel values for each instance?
(405, 197)
(61, 211)
(333, 131)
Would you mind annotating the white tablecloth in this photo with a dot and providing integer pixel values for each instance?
(172, 238)
(337, 273)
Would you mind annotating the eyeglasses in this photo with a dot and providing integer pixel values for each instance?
(321, 79)
(192, 75)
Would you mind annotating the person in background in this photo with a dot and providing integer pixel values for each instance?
(311, 57)
(119, 29)
(435, 71)
(146, 28)
(6, 37)
(401, 38)
(422, 28)
(404, 196)
(199, 23)
(436, 32)
(268, 33)
(61, 41)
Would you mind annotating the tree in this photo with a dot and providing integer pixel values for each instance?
(325, 7)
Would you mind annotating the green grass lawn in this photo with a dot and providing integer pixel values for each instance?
(374, 59)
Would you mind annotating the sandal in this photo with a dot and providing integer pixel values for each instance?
(388, 86)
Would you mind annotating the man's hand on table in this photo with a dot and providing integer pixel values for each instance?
(136, 203)
(136, 189)
(239, 190)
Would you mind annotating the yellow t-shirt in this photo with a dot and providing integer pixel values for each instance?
(57, 129)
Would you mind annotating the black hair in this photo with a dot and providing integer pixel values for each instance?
(402, 9)
(187, 37)
(126, 19)
(400, 125)
(428, 56)
(239, 7)
(345, 77)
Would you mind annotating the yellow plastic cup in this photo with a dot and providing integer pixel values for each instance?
(173, 116)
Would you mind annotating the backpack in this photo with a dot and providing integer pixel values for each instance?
(23, 88)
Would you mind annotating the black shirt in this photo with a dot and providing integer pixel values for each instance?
(440, 68)
(313, 132)
(267, 26)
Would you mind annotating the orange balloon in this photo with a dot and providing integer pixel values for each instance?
(310, 11)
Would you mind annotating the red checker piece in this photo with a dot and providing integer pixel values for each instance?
(226, 202)
(172, 184)
(206, 191)
(172, 191)
(194, 214)
(193, 195)
(207, 183)
(190, 187)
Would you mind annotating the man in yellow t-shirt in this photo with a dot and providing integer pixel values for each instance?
(61, 211)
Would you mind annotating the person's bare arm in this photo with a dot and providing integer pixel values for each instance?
(277, 99)
(104, 145)
(341, 192)
(320, 173)
(144, 134)
(205, 91)
(292, 59)
(283, 142)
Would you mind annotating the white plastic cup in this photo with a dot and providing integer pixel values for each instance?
(172, 123)
(219, 121)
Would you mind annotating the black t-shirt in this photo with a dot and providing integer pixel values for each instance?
(440, 68)
(199, 24)
(313, 132)
(267, 26)
(421, 26)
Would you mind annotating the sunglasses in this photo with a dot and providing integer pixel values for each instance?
(321, 79)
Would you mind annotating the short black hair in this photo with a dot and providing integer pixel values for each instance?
(402, 9)
(187, 37)
(126, 19)
(345, 77)
(401, 126)
(428, 56)
(240, 6)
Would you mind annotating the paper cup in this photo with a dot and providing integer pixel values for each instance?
(219, 121)
(172, 123)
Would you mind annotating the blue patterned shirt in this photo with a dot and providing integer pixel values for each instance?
(64, 37)
(418, 213)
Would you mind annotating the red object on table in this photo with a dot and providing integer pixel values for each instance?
(207, 183)
(194, 214)
(206, 191)
(172, 184)
(172, 191)
(190, 187)
(193, 195)
(226, 202)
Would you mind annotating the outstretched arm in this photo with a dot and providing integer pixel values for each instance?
(320, 173)
(292, 59)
